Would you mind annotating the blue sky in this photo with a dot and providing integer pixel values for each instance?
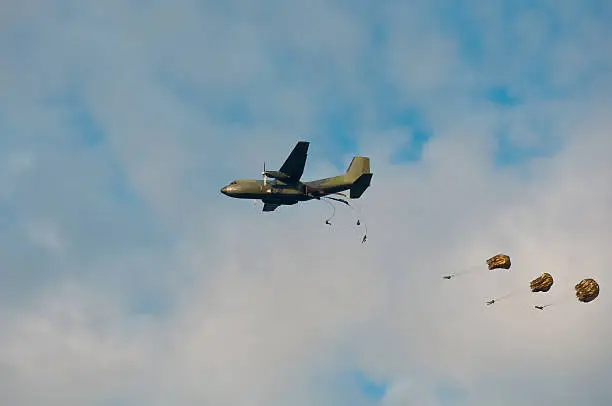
(124, 266)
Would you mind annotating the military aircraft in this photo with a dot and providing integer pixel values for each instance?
(288, 189)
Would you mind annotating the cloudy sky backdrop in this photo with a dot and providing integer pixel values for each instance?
(128, 279)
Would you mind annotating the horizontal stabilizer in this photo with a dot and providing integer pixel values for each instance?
(360, 185)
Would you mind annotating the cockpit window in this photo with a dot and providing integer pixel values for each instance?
(234, 182)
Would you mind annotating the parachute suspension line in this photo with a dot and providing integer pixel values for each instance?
(359, 217)
(464, 272)
(542, 307)
(328, 221)
(515, 294)
(566, 294)
(490, 302)
(563, 299)
(365, 235)
(506, 296)
(522, 293)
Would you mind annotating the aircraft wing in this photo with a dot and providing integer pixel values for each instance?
(270, 206)
(294, 165)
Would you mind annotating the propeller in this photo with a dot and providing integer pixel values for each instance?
(265, 177)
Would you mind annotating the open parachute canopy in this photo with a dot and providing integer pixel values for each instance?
(587, 290)
(499, 261)
(542, 283)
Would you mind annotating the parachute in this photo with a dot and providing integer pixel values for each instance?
(499, 261)
(542, 283)
(587, 290)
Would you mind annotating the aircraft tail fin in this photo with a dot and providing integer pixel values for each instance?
(359, 175)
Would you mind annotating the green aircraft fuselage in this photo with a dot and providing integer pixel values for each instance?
(285, 193)
(287, 189)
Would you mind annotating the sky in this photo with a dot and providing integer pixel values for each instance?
(129, 279)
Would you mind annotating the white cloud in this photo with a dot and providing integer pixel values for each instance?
(46, 236)
(16, 164)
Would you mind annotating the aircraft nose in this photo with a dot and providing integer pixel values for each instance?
(224, 190)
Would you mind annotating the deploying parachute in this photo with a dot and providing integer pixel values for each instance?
(542, 283)
(587, 290)
(499, 261)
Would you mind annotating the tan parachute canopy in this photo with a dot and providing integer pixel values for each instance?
(587, 290)
(499, 261)
(542, 283)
